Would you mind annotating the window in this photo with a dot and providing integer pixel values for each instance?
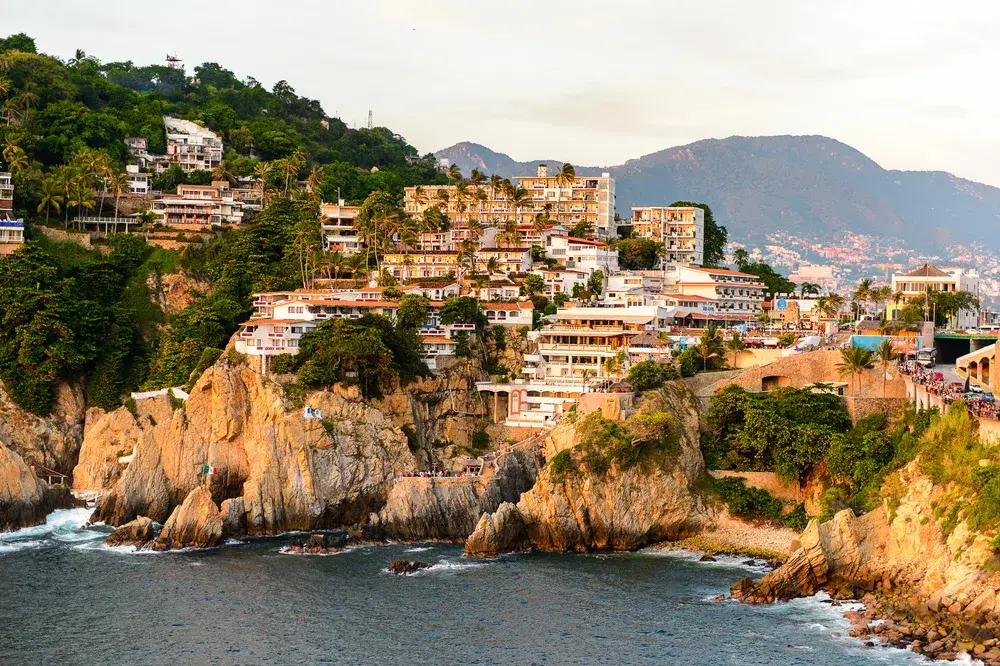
(293, 343)
(296, 329)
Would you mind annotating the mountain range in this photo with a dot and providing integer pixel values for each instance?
(809, 186)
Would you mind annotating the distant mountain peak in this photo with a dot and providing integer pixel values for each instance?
(810, 185)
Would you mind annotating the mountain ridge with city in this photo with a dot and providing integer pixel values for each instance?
(810, 186)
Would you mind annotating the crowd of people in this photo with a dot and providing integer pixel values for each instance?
(980, 404)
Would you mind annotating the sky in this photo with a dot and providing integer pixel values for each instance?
(910, 83)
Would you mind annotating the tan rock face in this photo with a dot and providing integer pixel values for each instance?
(175, 291)
(910, 550)
(197, 523)
(290, 473)
(619, 510)
(449, 508)
(24, 499)
(52, 442)
(139, 532)
(500, 532)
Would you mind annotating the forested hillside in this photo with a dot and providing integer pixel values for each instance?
(54, 110)
(73, 314)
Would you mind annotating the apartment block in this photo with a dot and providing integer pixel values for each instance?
(581, 253)
(198, 207)
(733, 292)
(339, 227)
(432, 264)
(927, 278)
(6, 196)
(138, 180)
(681, 230)
(588, 199)
(191, 146)
(11, 235)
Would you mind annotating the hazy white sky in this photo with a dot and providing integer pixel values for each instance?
(911, 83)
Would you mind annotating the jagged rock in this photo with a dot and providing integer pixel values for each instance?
(503, 531)
(291, 473)
(197, 523)
(139, 532)
(706, 558)
(53, 441)
(25, 500)
(449, 508)
(619, 509)
(234, 520)
(403, 567)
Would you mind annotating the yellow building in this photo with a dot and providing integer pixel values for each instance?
(681, 229)
(587, 199)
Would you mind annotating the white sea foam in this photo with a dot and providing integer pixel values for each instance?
(419, 549)
(64, 525)
(724, 561)
(285, 550)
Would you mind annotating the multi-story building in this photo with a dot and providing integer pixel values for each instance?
(925, 279)
(589, 199)
(563, 281)
(404, 265)
(339, 230)
(497, 288)
(823, 276)
(681, 229)
(11, 235)
(510, 314)
(581, 254)
(198, 207)
(733, 292)
(6, 196)
(138, 180)
(508, 259)
(191, 146)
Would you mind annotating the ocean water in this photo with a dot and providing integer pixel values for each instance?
(67, 598)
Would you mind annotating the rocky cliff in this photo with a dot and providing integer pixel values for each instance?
(24, 499)
(924, 573)
(53, 441)
(27, 440)
(278, 470)
(621, 508)
(448, 508)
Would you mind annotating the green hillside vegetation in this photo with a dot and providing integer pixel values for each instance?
(79, 113)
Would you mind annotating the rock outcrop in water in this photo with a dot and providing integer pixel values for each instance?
(197, 523)
(448, 508)
(619, 509)
(928, 578)
(24, 499)
(140, 532)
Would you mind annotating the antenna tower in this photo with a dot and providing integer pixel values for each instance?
(370, 125)
(173, 61)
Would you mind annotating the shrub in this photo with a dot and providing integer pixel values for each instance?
(412, 442)
(797, 518)
(833, 500)
(207, 359)
(175, 402)
(480, 443)
(283, 364)
(747, 502)
(560, 465)
(328, 426)
(649, 375)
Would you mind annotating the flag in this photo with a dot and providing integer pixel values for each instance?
(210, 470)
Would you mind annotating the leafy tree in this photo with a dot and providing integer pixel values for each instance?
(596, 282)
(648, 375)
(533, 284)
(636, 254)
(716, 235)
(463, 309)
(412, 312)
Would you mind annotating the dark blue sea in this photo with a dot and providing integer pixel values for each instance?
(66, 598)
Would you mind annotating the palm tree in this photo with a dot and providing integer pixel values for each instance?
(455, 173)
(511, 235)
(853, 362)
(314, 181)
(66, 176)
(567, 175)
(808, 288)
(518, 198)
(119, 184)
(710, 346)
(493, 265)
(884, 356)
(15, 157)
(263, 171)
(223, 172)
(862, 293)
(735, 345)
(51, 196)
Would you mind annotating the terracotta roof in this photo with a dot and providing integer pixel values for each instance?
(494, 250)
(584, 241)
(258, 322)
(520, 305)
(690, 297)
(927, 270)
(721, 271)
(437, 339)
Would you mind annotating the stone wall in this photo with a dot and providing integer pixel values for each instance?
(82, 239)
(862, 407)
